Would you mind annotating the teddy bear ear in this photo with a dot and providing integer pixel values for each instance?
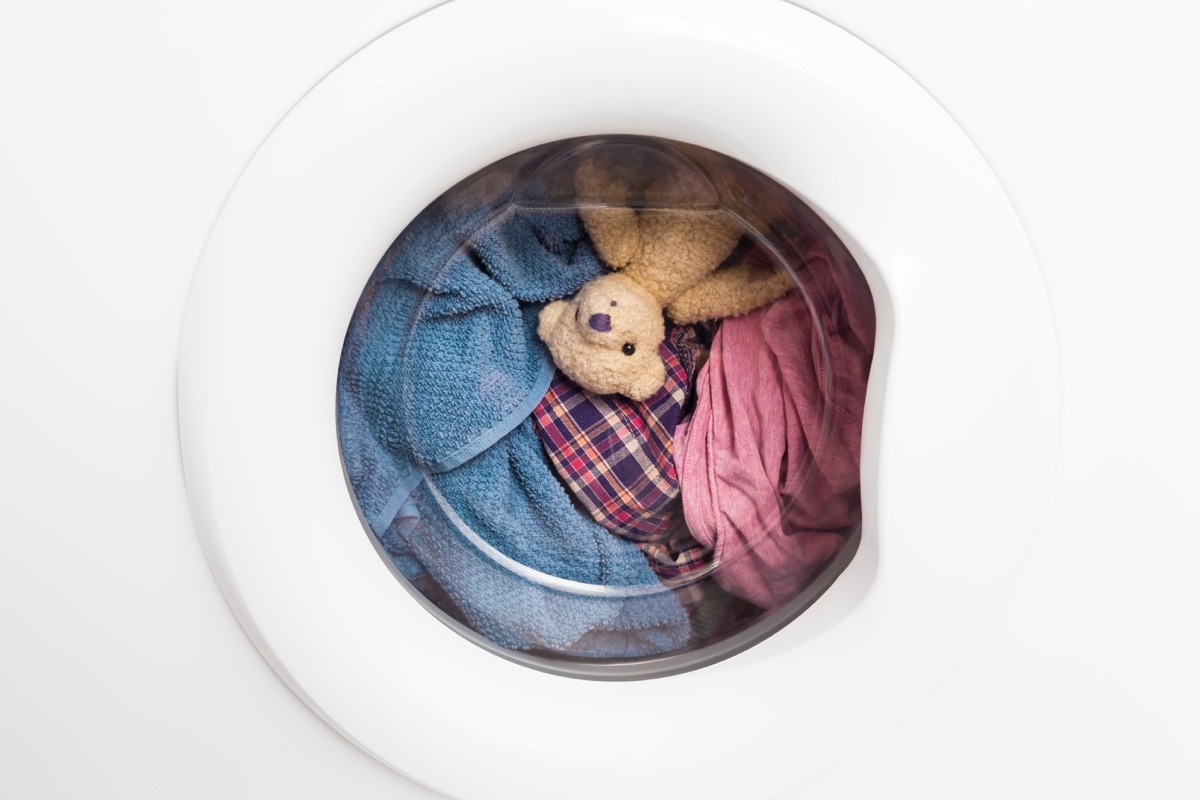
(548, 318)
(647, 383)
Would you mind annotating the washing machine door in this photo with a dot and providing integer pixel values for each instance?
(958, 439)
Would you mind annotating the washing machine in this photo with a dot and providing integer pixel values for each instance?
(206, 591)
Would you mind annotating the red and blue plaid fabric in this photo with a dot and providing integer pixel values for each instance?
(680, 562)
(615, 455)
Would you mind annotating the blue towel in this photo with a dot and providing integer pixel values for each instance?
(440, 371)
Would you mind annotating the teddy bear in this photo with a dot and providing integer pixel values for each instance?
(606, 337)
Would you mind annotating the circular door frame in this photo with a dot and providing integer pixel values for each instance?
(959, 437)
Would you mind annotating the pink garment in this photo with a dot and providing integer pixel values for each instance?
(768, 463)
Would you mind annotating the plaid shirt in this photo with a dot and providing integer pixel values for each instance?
(616, 457)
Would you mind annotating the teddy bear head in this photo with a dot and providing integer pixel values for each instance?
(606, 337)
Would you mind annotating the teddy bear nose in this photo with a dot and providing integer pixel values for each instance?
(600, 322)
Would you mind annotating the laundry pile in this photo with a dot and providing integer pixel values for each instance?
(551, 519)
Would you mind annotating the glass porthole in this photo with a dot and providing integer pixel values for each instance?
(600, 405)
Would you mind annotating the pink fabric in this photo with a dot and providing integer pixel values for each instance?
(768, 463)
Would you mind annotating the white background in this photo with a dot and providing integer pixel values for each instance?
(123, 672)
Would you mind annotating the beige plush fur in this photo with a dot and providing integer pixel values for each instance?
(606, 338)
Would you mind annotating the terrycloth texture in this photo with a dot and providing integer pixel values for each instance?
(510, 498)
(451, 521)
(769, 461)
(460, 341)
(440, 371)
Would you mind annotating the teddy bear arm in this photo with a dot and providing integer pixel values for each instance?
(680, 248)
(729, 293)
(616, 233)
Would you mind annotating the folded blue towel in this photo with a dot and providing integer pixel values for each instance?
(467, 527)
(440, 371)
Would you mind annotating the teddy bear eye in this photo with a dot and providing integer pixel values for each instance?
(628, 348)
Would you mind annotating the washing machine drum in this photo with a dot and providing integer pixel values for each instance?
(571, 476)
(560, 378)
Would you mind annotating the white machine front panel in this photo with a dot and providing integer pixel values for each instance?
(958, 437)
(126, 675)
